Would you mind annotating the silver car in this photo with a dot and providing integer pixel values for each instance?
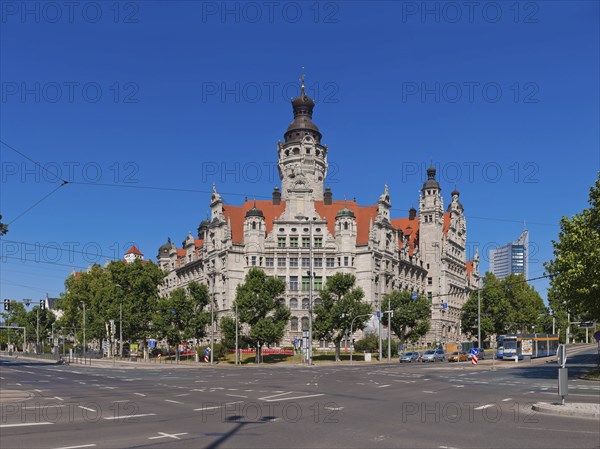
(410, 357)
(433, 355)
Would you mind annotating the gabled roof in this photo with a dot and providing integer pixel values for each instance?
(408, 227)
(469, 266)
(362, 214)
(236, 215)
(134, 250)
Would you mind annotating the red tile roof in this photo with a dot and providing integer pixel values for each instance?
(363, 214)
(409, 227)
(134, 250)
(469, 266)
(237, 215)
(446, 224)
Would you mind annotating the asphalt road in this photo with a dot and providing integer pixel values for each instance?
(410, 406)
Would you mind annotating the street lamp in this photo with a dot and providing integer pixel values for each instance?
(213, 275)
(310, 285)
(351, 326)
(84, 341)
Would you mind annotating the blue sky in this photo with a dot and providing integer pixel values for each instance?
(503, 98)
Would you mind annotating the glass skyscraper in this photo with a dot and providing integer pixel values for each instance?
(511, 258)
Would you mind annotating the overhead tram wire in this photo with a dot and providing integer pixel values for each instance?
(38, 202)
(44, 261)
(183, 190)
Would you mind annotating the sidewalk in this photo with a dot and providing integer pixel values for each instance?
(576, 409)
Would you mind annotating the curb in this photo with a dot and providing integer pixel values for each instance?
(563, 410)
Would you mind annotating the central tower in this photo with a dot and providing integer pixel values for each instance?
(302, 159)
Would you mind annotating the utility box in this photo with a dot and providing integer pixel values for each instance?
(367, 356)
(563, 382)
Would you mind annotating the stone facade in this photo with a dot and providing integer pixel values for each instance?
(303, 230)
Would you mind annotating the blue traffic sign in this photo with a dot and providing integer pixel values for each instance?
(378, 314)
(415, 296)
(295, 342)
(444, 305)
(474, 351)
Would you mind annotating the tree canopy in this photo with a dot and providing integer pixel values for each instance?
(575, 270)
(410, 320)
(259, 308)
(341, 304)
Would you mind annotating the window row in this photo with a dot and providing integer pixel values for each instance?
(305, 303)
(295, 242)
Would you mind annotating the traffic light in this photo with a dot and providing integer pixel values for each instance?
(7, 304)
(42, 304)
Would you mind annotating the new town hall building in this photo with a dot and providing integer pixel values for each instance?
(303, 227)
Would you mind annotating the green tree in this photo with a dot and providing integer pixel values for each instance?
(104, 291)
(410, 320)
(525, 304)
(181, 316)
(342, 303)
(3, 227)
(575, 270)
(259, 307)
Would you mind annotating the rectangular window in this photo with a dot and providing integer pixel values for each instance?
(429, 296)
(330, 262)
(293, 242)
(281, 278)
(253, 261)
(281, 242)
(293, 282)
(318, 262)
(345, 261)
(429, 281)
(305, 262)
(269, 262)
(305, 242)
(294, 262)
(305, 283)
(318, 242)
(281, 261)
(318, 283)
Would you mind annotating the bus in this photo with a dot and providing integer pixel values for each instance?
(528, 345)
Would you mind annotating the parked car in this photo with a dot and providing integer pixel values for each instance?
(433, 355)
(410, 357)
(458, 357)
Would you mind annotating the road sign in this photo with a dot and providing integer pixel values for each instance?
(474, 351)
(444, 305)
(415, 296)
(378, 315)
(587, 325)
(474, 360)
(561, 355)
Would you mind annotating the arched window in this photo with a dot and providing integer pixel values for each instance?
(318, 302)
(304, 323)
(294, 324)
(282, 301)
(305, 303)
(296, 150)
(346, 226)
(293, 303)
(253, 225)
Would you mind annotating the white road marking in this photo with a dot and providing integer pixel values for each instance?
(179, 395)
(218, 406)
(295, 397)
(383, 386)
(236, 395)
(123, 400)
(140, 394)
(2, 426)
(458, 386)
(428, 392)
(76, 447)
(558, 430)
(275, 395)
(130, 416)
(60, 399)
(86, 408)
(506, 400)
(168, 435)
(174, 402)
(483, 407)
